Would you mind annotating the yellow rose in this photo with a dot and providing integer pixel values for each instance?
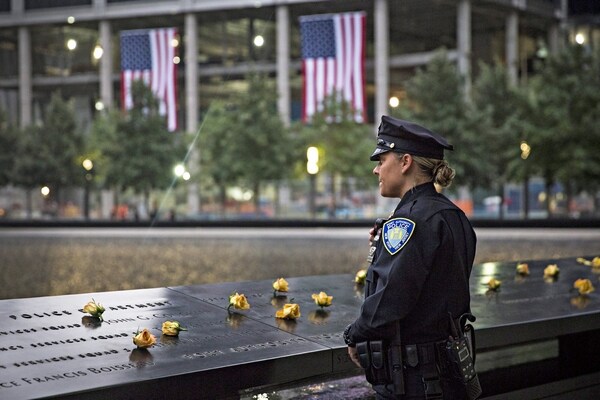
(94, 309)
(522, 269)
(144, 339)
(584, 286)
(322, 300)
(289, 311)
(551, 271)
(280, 285)
(494, 284)
(361, 276)
(583, 261)
(238, 301)
(171, 328)
(596, 262)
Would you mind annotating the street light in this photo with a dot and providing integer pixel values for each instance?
(88, 166)
(525, 152)
(312, 167)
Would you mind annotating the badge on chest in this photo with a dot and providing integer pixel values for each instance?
(396, 233)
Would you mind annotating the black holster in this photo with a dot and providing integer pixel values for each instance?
(459, 358)
(382, 362)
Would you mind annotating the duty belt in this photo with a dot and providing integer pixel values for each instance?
(425, 356)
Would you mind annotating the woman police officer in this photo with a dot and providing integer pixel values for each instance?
(418, 282)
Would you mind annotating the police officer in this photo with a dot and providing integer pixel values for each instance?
(418, 280)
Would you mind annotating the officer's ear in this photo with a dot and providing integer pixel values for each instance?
(405, 161)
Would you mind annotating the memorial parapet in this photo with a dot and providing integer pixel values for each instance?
(50, 348)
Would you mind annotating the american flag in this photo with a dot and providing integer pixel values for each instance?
(333, 54)
(147, 54)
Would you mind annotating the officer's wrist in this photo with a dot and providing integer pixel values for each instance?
(346, 336)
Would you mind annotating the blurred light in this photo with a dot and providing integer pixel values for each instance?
(174, 42)
(259, 41)
(87, 164)
(238, 194)
(71, 44)
(525, 150)
(98, 52)
(312, 163)
(99, 105)
(70, 19)
(179, 170)
(580, 38)
(186, 176)
(45, 191)
(560, 196)
(542, 197)
(394, 102)
(176, 60)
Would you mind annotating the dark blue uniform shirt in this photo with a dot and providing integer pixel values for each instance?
(427, 278)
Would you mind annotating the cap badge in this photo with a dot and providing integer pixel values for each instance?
(396, 233)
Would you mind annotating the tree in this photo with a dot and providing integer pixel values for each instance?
(138, 152)
(565, 100)
(48, 154)
(245, 141)
(435, 99)
(344, 145)
(8, 145)
(265, 148)
(495, 113)
(218, 160)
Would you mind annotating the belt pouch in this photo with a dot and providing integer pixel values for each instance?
(377, 372)
(364, 358)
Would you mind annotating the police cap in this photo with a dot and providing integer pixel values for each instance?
(407, 137)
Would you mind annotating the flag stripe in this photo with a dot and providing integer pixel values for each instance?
(333, 51)
(147, 55)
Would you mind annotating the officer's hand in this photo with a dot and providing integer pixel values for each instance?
(372, 233)
(353, 355)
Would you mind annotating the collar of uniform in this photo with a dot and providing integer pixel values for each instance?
(423, 189)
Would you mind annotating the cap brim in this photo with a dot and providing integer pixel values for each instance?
(378, 151)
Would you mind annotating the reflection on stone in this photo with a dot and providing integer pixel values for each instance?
(288, 325)
(359, 291)
(279, 301)
(168, 340)
(580, 301)
(318, 317)
(234, 320)
(91, 322)
(140, 357)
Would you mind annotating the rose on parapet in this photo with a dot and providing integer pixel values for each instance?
(322, 299)
(94, 309)
(289, 311)
(144, 339)
(360, 277)
(522, 269)
(551, 271)
(238, 302)
(494, 284)
(584, 286)
(594, 263)
(172, 328)
(280, 285)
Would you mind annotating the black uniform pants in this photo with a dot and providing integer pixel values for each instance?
(424, 367)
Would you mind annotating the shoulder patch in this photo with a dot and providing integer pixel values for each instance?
(396, 233)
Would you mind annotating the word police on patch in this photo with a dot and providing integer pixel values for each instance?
(396, 233)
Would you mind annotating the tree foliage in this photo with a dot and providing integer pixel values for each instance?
(344, 145)
(8, 146)
(245, 142)
(435, 99)
(48, 154)
(565, 103)
(136, 150)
